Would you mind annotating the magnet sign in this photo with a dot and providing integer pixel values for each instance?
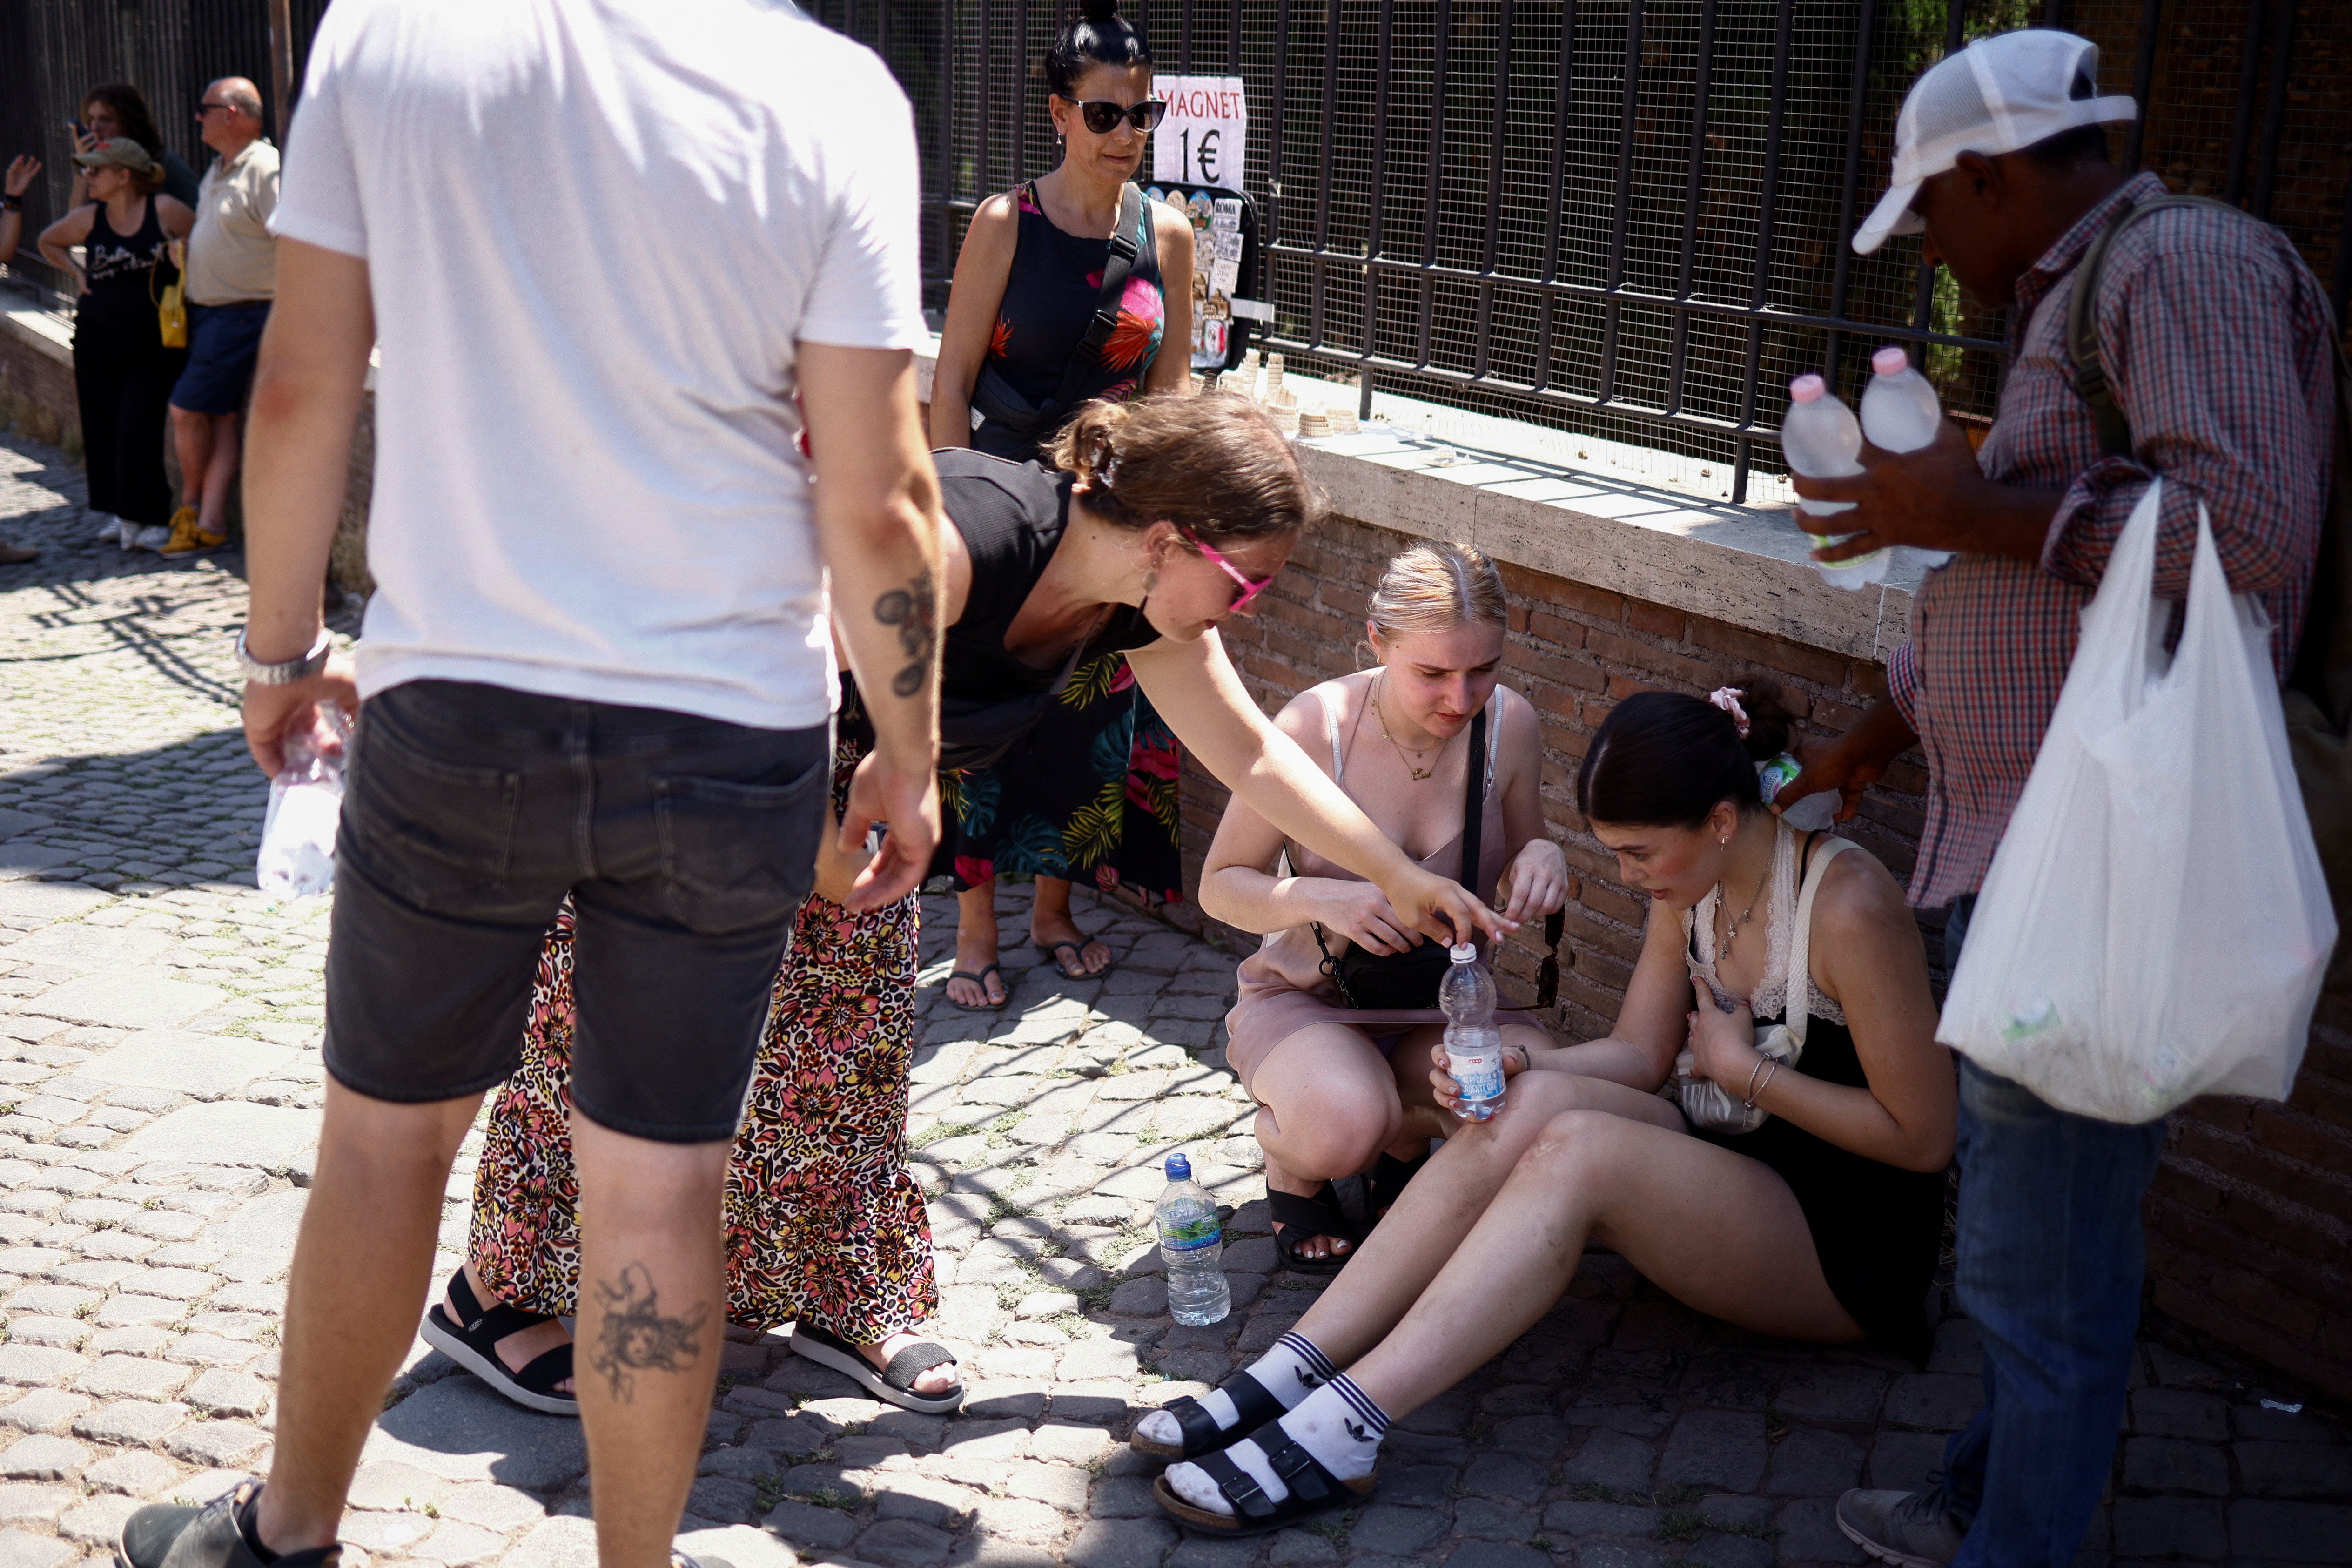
(1200, 141)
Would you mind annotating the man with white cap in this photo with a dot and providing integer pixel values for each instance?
(2218, 347)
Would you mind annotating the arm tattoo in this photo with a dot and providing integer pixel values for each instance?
(914, 610)
(633, 1335)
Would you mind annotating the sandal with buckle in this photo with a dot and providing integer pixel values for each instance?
(1201, 1433)
(474, 1345)
(895, 1382)
(1312, 1491)
(1306, 1216)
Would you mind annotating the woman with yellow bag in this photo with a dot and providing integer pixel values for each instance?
(123, 367)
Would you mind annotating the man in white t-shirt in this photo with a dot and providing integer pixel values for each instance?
(603, 247)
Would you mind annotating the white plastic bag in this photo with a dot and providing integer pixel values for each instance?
(2155, 926)
(306, 801)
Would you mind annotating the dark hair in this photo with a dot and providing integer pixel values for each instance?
(1214, 464)
(1666, 759)
(2083, 144)
(1097, 35)
(130, 107)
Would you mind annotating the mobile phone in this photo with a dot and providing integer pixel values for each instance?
(73, 129)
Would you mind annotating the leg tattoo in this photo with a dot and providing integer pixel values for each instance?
(635, 1336)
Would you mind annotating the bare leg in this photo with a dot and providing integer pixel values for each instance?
(1402, 1255)
(363, 1262)
(220, 473)
(1050, 920)
(1328, 1106)
(653, 1302)
(191, 443)
(1715, 1230)
(976, 946)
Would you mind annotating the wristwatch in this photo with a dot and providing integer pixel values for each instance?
(11, 203)
(288, 671)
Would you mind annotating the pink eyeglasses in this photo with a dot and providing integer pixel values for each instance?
(1250, 589)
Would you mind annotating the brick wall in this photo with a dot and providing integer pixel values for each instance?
(37, 394)
(2250, 1222)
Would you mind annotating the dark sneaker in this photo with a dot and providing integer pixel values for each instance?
(1910, 1529)
(173, 1535)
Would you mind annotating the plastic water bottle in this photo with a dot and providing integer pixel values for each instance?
(1821, 440)
(1900, 414)
(297, 858)
(1810, 815)
(1474, 1045)
(1192, 1246)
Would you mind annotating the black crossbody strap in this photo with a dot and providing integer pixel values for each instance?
(1126, 245)
(2087, 359)
(1474, 801)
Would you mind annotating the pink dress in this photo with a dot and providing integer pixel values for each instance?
(1283, 986)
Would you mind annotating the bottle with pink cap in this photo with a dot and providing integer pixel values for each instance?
(1819, 440)
(1900, 414)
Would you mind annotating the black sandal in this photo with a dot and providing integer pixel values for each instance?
(1202, 1434)
(1306, 1217)
(1312, 1491)
(895, 1382)
(1075, 969)
(474, 1345)
(1388, 1181)
(980, 979)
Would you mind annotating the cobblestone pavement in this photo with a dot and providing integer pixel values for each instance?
(158, 1022)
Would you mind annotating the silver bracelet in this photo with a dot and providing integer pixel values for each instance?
(1756, 1088)
(286, 671)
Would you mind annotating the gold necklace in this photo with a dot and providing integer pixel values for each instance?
(1380, 690)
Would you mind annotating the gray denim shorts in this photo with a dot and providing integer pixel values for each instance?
(688, 845)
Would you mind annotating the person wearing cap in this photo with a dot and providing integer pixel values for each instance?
(232, 261)
(122, 372)
(2218, 342)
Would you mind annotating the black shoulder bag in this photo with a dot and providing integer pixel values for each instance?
(1383, 981)
(1028, 423)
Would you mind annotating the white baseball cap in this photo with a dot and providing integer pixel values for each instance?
(1997, 95)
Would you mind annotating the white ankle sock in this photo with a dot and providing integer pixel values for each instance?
(1290, 1370)
(1338, 1423)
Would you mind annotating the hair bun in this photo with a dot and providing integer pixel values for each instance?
(1099, 10)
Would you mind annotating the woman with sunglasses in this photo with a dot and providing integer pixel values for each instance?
(1015, 364)
(1162, 516)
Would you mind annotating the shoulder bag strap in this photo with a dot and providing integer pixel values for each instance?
(1125, 246)
(2084, 352)
(1795, 1011)
(1474, 801)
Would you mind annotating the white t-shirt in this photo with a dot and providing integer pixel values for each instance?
(595, 230)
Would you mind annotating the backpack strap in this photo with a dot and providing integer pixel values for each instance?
(2083, 353)
(1127, 242)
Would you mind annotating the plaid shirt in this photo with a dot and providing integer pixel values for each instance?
(2219, 345)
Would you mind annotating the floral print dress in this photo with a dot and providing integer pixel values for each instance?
(824, 1224)
(1090, 794)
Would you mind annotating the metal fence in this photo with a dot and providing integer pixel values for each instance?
(1628, 218)
(52, 52)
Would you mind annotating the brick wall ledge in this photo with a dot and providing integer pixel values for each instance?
(44, 332)
(1623, 519)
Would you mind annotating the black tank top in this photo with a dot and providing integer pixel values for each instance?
(128, 273)
(1049, 299)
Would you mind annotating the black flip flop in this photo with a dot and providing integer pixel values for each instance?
(1052, 951)
(474, 1345)
(1306, 1217)
(980, 979)
(1201, 1433)
(895, 1382)
(1388, 1181)
(1312, 1491)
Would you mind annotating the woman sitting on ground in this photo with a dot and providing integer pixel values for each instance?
(1821, 1224)
(1340, 1087)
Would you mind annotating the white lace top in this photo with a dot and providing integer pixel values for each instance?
(1770, 997)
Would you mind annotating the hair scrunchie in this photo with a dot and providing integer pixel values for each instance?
(1727, 699)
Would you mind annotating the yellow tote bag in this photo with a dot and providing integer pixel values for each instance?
(172, 309)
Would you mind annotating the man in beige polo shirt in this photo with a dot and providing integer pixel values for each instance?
(232, 275)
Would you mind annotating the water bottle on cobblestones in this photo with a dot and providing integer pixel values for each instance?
(1474, 1045)
(1820, 439)
(1900, 414)
(1192, 1246)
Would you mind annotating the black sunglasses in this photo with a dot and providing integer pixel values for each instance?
(1102, 117)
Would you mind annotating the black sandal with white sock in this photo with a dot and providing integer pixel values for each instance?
(1201, 1433)
(1312, 1491)
(470, 1338)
